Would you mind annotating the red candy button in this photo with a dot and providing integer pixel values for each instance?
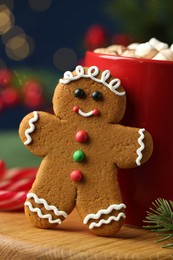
(95, 112)
(81, 136)
(75, 109)
(76, 175)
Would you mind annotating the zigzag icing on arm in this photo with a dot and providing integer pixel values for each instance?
(31, 128)
(107, 221)
(46, 205)
(103, 211)
(141, 148)
(39, 213)
(93, 71)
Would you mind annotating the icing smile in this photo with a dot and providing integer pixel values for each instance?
(94, 112)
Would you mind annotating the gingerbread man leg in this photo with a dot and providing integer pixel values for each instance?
(103, 212)
(48, 205)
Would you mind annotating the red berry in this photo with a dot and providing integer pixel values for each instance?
(10, 96)
(32, 86)
(5, 77)
(121, 39)
(33, 93)
(96, 37)
(33, 100)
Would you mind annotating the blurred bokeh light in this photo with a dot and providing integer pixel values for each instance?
(6, 19)
(40, 5)
(65, 59)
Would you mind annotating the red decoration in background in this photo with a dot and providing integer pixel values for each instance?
(14, 186)
(5, 77)
(9, 97)
(95, 37)
(29, 93)
(33, 93)
(2, 168)
(121, 39)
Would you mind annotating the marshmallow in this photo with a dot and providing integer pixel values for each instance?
(166, 54)
(158, 44)
(129, 53)
(171, 47)
(153, 49)
(145, 50)
(117, 48)
(105, 51)
(133, 46)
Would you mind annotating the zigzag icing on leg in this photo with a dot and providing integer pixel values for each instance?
(104, 221)
(104, 211)
(47, 206)
(39, 213)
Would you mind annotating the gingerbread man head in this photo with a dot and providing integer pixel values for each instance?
(91, 94)
(82, 146)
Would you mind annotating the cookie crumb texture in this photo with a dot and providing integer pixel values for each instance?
(81, 152)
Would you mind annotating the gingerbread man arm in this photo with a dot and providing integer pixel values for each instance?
(36, 131)
(134, 146)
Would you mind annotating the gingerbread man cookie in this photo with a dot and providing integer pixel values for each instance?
(83, 144)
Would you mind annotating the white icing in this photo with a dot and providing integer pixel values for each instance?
(47, 206)
(93, 71)
(39, 213)
(80, 112)
(107, 221)
(31, 128)
(141, 148)
(103, 211)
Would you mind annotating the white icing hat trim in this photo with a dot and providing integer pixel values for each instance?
(93, 71)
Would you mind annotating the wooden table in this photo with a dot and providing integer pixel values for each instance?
(19, 240)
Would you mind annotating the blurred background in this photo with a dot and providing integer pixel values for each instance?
(40, 39)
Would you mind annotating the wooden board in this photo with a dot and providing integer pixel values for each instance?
(19, 240)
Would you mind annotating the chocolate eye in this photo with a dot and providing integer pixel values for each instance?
(79, 93)
(96, 95)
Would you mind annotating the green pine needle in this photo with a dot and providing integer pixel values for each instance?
(160, 219)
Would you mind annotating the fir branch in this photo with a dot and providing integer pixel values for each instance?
(160, 219)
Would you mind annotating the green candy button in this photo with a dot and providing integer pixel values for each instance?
(78, 156)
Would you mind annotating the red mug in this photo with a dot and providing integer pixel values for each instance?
(149, 89)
